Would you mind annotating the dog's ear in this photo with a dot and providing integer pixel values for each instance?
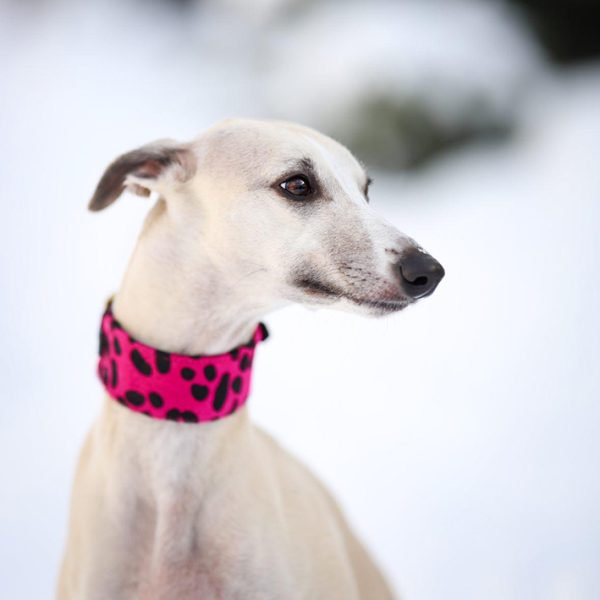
(142, 171)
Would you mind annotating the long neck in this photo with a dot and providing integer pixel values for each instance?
(178, 298)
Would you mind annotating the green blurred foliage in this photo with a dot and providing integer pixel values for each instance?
(393, 134)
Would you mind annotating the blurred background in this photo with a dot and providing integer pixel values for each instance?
(475, 474)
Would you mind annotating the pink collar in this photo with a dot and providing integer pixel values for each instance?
(163, 385)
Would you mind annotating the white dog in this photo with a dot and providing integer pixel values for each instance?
(250, 216)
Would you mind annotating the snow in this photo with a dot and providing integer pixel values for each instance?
(447, 54)
(473, 473)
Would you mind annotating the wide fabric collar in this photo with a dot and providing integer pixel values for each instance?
(164, 385)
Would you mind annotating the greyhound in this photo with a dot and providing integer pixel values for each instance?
(250, 216)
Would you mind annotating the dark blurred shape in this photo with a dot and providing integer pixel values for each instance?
(569, 30)
(403, 134)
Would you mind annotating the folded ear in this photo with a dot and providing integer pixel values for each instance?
(142, 171)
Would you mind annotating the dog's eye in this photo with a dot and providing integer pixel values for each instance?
(298, 185)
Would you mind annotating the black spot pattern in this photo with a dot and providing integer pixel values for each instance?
(103, 343)
(188, 374)
(264, 331)
(173, 414)
(221, 393)
(189, 417)
(139, 363)
(220, 383)
(115, 375)
(200, 392)
(134, 397)
(163, 361)
(156, 400)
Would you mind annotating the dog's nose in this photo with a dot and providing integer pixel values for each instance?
(420, 273)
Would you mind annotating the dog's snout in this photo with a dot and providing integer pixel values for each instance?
(420, 273)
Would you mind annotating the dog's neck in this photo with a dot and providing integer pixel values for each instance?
(169, 306)
(178, 298)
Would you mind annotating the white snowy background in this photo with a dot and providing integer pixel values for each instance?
(475, 473)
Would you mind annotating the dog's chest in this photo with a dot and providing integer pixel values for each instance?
(232, 517)
(224, 560)
(204, 545)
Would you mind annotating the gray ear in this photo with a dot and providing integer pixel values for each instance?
(139, 169)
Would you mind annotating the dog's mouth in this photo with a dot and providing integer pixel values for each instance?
(326, 293)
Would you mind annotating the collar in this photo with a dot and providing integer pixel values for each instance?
(164, 385)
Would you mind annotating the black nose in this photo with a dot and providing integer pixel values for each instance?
(419, 273)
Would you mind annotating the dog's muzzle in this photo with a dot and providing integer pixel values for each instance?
(420, 273)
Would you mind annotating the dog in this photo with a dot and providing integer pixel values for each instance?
(250, 216)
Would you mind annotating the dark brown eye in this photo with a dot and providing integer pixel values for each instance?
(298, 185)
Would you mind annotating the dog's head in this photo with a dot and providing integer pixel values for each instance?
(281, 210)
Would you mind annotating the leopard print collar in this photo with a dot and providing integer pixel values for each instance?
(163, 385)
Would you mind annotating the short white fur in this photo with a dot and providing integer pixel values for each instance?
(164, 510)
